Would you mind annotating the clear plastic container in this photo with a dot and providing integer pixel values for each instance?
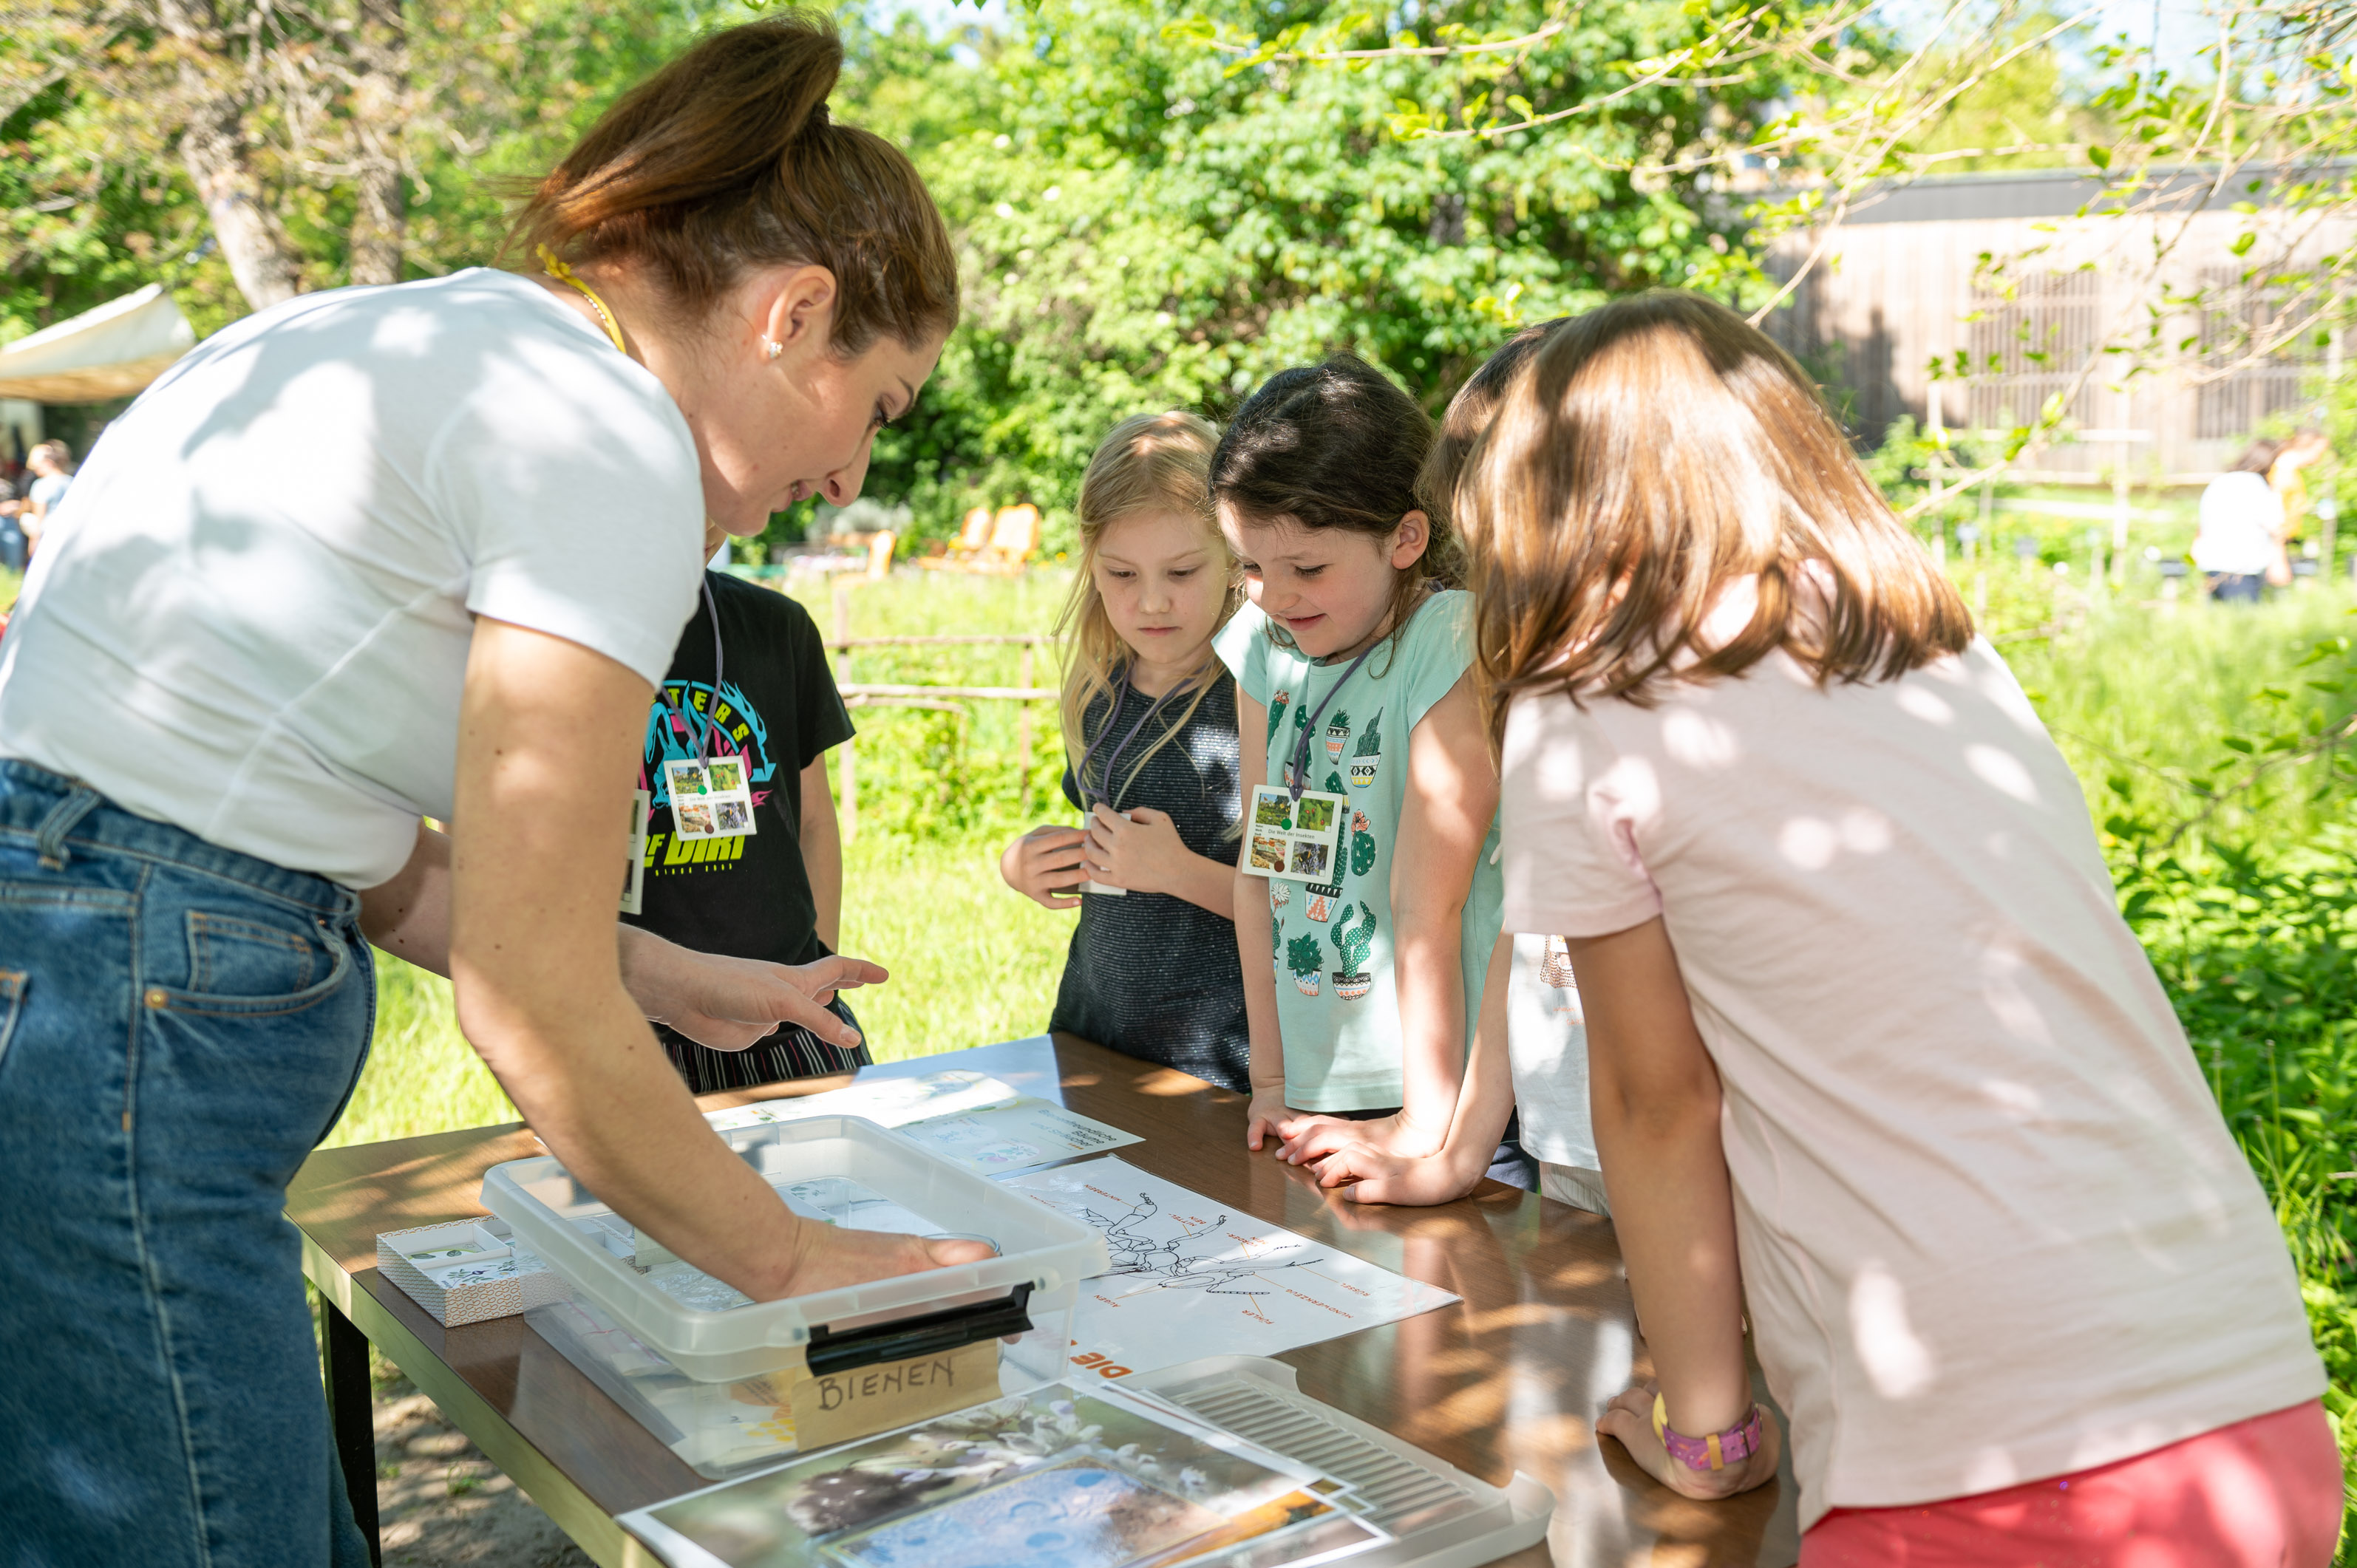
(850, 1171)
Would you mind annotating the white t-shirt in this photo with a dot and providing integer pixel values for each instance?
(1992, 1226)
(1546, 1050)
(257, 627)
(2240, 516)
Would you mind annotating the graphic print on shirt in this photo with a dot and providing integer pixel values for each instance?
(1366, 757)
(1338, 733)
(675, 723)
(1305, 958)
(1353, 942)
(1363, 844)
(1276, 713)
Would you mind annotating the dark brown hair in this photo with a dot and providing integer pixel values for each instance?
(1654, 453)
(726, 160)
(1469, 412)
(1337, 445)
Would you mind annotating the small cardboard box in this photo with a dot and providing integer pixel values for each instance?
(466, 1271)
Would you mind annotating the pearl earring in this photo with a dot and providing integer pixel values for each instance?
(772, 348)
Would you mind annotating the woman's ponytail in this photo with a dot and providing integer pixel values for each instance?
(727, 159)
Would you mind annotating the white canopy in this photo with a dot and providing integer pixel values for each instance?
(111, 351)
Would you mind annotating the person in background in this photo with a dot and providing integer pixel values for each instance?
(2242, 528)
(12, 532)
(1149, 722)
(51, 465)
(2306, 447)
(1353, 662)
(1873, 1054)
(753, 688)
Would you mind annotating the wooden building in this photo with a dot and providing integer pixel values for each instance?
(1999, 269)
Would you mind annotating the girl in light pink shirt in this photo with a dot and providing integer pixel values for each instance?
(1872, 1051)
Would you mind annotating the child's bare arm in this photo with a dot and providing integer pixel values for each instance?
(1268, 1113)
(1483, 1106)
(1655, 1097)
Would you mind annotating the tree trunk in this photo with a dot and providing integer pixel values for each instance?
(380, 88)
(213, 147)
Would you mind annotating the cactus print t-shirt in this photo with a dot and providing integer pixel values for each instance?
(1336, 1004)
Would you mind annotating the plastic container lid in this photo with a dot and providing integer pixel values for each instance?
(1039, 1248)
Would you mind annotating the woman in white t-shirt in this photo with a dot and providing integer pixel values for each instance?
(1871, 1051)
(370, 557)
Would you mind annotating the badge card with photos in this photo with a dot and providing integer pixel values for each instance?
(1055, 1477)
(1299, 840)
(709, 799)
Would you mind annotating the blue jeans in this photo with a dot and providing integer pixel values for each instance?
(179, 1026)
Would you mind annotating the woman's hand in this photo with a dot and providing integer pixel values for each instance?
(730, 1004)
(1046, 863)
(1630, 1418)
(1366, 1173)
(1141, 852)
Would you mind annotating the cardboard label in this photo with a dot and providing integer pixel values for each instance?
(840, 1406)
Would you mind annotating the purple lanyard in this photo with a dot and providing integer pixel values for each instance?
(1120, 695)
(1297, 770)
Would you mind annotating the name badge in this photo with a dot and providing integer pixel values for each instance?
(1301, 840)
(709, 799)
(643, 805)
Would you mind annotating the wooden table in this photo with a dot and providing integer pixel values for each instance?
(1509, 1379)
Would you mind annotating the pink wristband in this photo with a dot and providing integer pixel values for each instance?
(1716, 1452)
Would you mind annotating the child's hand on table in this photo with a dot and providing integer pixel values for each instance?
(1368, 1175)
(1630, 1418)
(1141, 852)
(1045, 862)
(1313, 1138)
(1268, 1116)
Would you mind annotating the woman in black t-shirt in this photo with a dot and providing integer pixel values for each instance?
(762, 695)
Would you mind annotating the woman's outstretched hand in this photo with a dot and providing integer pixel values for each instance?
(730, 1004)
(829, 1258)
(1630, 1419)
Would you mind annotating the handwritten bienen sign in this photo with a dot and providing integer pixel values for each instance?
(838, 1406)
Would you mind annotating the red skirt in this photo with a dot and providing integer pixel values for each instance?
(2263, 1493)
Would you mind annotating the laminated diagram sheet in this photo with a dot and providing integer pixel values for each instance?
(1192, 1278)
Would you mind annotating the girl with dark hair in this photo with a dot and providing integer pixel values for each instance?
(369, 556)
(1874, 1057)
(1366, 955)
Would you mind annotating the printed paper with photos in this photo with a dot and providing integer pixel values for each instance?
(1299, 840)
(709, 799)
(1047, 1477)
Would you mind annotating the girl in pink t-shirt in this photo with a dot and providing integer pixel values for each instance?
(1872, 1052)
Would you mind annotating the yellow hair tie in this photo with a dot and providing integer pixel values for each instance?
(555, 267)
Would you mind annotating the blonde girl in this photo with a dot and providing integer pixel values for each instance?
(1149, 722)
(1872, 1050)
(1362, 986)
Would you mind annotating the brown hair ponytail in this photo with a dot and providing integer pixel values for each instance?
(726, 159)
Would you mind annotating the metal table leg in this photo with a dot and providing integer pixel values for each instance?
(352, 1417)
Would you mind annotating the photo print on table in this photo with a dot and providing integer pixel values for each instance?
(1081, 1480)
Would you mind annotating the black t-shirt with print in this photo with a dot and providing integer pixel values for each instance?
(776, 707)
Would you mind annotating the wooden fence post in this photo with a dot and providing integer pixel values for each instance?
(1022, 732)
(842, 609)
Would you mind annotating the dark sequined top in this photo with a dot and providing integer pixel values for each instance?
(1151, 976)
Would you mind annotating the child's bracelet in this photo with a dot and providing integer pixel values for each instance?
(1715, 1452)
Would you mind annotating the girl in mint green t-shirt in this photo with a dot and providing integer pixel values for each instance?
(1362, 987)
